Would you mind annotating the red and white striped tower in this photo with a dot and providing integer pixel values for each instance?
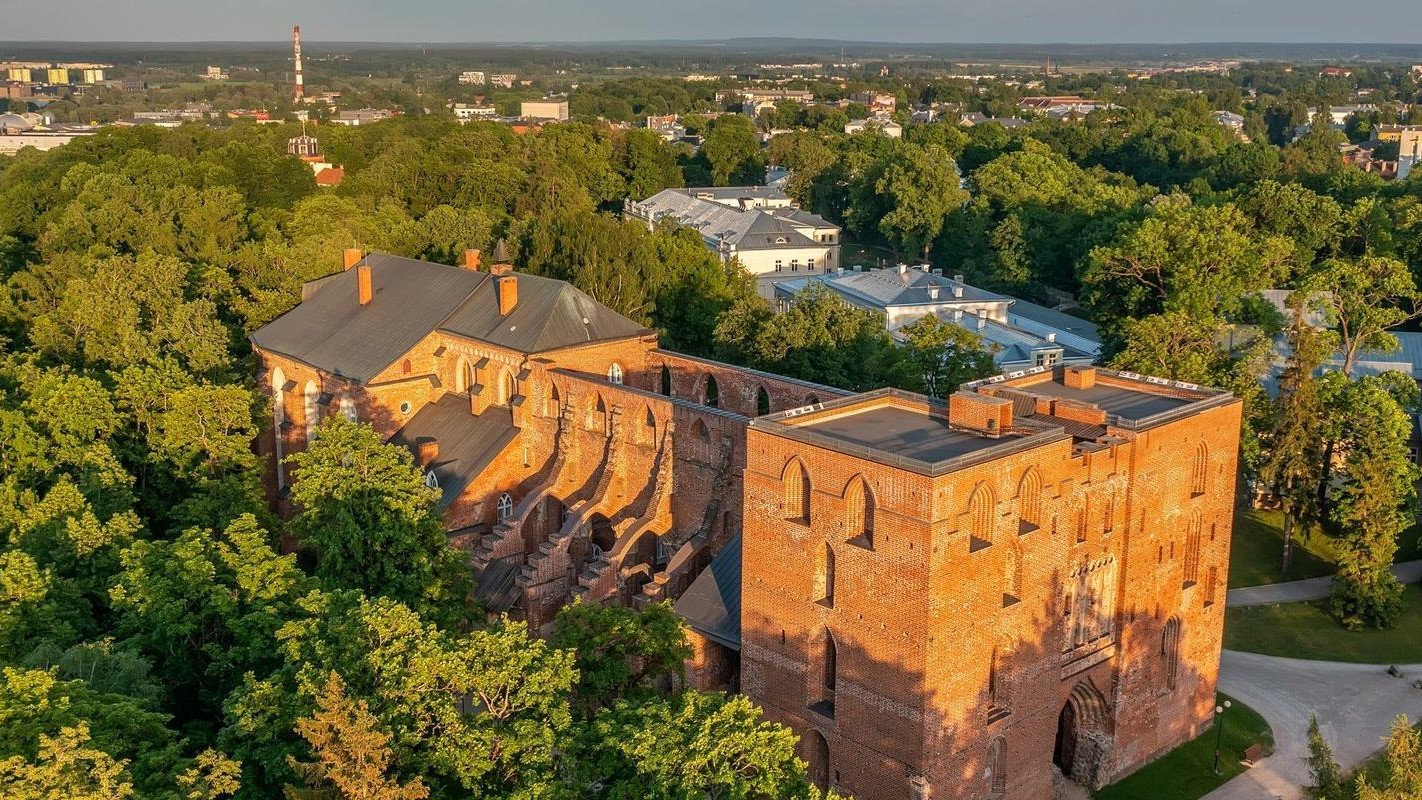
(296, 44)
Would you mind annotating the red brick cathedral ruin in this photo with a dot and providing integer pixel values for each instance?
(974, 599)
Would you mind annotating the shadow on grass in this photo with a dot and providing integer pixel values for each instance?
(1257, 548)
(1305, 630)
(1187, 772)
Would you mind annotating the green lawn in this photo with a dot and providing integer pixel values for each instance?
(1304, 630)
(1258, 545)
(1187, 772)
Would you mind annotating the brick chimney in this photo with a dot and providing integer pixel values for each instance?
(507, 290)
(363, 284)
(351, 257)
(980, 412)
(428, 450)
(1079, 377)
(472, 259)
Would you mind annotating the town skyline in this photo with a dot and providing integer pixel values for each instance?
(559, 21)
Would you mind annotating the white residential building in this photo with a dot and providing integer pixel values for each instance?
(1020, 335)
(883, 125)
(503, 80)
(464, 112)
(472, 78)
(757, 225)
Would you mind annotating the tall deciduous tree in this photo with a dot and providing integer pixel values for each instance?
(919, 187)
(67, 767)
(373, 523)
(1374, 503)
(1365, 298)
(943, 355)
(731, 150)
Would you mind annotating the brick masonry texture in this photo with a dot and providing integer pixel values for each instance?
(1055, 608)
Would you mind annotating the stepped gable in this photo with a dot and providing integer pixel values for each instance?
(332, 331)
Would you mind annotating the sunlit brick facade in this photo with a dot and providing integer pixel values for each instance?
(943, 600)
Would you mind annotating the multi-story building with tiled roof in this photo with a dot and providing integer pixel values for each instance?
(960, 600)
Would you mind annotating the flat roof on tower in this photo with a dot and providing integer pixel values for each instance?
(903, 430)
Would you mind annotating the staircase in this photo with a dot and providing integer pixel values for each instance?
(506, 538)
(600, 577)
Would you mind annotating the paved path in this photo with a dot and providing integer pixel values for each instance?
(1355, 704)
(1311, 589)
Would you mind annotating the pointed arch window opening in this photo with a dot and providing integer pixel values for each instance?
(797, 493)
(859, 514)
(1199, 473)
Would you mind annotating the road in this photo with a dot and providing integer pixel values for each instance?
(1355, 704)
(1311, 589)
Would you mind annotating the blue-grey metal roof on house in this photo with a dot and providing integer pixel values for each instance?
(712, 605)
(885, 288)
(467, 443)
(411, 299)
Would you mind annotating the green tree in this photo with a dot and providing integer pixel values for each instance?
(1294, 453)
(205, 608)
(732, 151)
(920, 187)
(1365, 298)
(1373, 505)
(943, 355)
(373, 523)
(1325, 782)
(66, 768)
(698, 746)
(621, 652)
(1403, 756)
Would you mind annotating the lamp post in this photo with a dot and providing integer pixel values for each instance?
(1219, 732)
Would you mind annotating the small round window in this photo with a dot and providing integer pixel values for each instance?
(405, 407)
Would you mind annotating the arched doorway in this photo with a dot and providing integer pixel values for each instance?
(1084, 742)
(817, 754)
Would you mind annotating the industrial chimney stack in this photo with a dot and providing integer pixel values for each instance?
(296, 46)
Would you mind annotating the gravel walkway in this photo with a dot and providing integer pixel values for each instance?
(1355, 704)
(1311, 589)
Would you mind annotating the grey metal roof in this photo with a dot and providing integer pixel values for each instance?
(712, 605)
(883, 288)
(331, 330)
(467, 443)
(496, 586)
(1056, 319)
(550, 314)
(753, 228)
(803, 217)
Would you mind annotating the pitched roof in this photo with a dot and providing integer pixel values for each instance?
(884, 288)
(550, 314)
(751, 229)
(712, 605)
(467, 443)
(330, 330)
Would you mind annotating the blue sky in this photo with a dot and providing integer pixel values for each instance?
(601, 20)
